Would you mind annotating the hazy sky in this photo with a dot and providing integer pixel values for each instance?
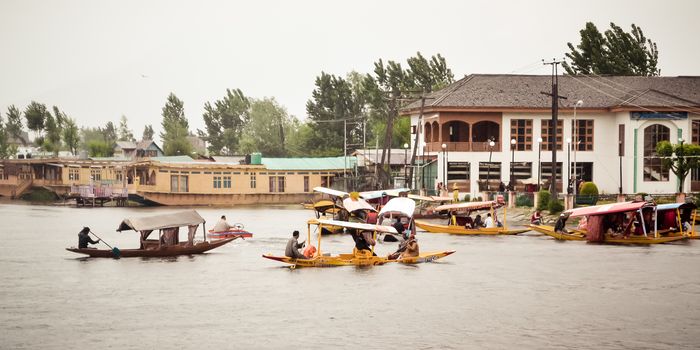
(97, 60)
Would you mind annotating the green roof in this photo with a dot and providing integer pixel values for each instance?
(325, 163)
(173, 159)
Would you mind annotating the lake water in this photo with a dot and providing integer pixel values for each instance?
(526, 291)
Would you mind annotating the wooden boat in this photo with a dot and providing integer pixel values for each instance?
(240, 233)
(356, 258)
(168, 242)
(456, 227)
(595, 215)
(675, 216)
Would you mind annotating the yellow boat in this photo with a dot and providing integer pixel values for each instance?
(356, 258)
(576, 235)
(681, 213)
(456, 228)
(571, 235)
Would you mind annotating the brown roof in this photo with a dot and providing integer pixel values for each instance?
(504, 91)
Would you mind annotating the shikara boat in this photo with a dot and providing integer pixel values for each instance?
(233, 232)
(597, 218)
(356, 258)
(678, 218)
(426, 208)
(168, 242)
(456, 224)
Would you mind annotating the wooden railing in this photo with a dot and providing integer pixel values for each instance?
(462, 147)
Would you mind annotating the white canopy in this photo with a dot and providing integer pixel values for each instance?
(394, 192)
(361, 226)
(468, 206)
(402, 205)
(359, 204)
(329, 191)
(157, 222)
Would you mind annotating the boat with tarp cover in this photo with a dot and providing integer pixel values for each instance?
(616, 223)
(356, 258)
(168, 242)
(460, 216)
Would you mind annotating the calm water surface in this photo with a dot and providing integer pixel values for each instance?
(523, 291)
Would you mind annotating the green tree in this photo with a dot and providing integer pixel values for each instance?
(14, 127)
(5, 148)
(124, 132)
(147, 133)
(266, 130)
(100, 148)
(52, 141)
(109, 133)
(224, 121)
(36, 113)
(616, 52)
(175, 128)
(687, 157)
(71, 135)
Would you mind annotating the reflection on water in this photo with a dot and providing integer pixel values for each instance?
(521, 291)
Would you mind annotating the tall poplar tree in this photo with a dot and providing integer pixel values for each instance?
(175, 128)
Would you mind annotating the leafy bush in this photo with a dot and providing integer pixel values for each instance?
(588, 194)
(555, 206)
(467, 197)
(523, 201)
(543, 201)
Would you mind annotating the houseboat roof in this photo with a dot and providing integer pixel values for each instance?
(157, 222)
(322, 163)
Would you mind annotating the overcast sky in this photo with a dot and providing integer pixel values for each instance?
(98, 60)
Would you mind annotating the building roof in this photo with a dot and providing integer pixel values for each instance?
(505, 91)
(398, 156)
(174, 159)
(126, 144)
(325, 163)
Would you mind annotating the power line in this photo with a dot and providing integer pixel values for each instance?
(613, 96)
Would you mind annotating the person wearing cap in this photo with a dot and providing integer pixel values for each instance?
(293, 247)
(84, 238)
(222, 225)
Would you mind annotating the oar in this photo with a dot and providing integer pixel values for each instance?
(115, 251)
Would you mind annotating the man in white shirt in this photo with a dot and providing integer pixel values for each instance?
(222, 225)
(489, 221)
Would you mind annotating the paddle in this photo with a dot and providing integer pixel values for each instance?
(115, 251)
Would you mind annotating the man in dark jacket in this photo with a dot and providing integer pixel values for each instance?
(293, 245)
(84, 238)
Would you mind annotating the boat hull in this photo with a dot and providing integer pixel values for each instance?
(549, 231)
(580, 236)
(356, 260)
(230, 234)
(176, 250)
(460, 230)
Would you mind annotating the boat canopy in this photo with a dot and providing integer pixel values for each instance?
(157, 222)
(331, 192)
(670, 206)
(607, 209)
(403, 205)
(468, 206)
(430, 198)
(356, 204)
(360, 226)
(394, 192)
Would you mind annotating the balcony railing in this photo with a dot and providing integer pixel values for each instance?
(475, 146)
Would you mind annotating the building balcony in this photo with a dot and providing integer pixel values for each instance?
(476, 146)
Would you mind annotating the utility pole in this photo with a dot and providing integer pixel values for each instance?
(555, 120)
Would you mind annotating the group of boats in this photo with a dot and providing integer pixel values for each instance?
(389, 217)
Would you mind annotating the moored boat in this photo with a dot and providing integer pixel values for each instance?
(168, 242)
(460, 218)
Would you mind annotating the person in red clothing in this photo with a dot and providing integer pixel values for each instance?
(536, 218)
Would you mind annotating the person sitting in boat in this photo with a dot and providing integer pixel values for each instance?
(468, 222)
(363, 240)
(477, 221)
(84, 238)
(293, 246)
(412, 249)
(222, 225)
(536, 218)
(583, 223)
(559, 226)
(488, 223)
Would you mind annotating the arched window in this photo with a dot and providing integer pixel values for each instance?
(486, 130)
(427, 137)
(654, 169)
(455, 131)
(436, 132)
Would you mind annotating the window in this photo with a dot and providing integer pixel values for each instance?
(584, 171)
(74, 174)
(584, 134)
(96, 174)
(621, 140)
(521, 131)
(696, 132)
(326, 181)
(490, 172)
(548, 135)
(306, 183)
(184, 182)
(179, 183)
(119, 175)
(227, 182)
(174, 183)
(273, 184)
(217, 181)
(522, 170)
(547, 172)
(280, 182)
(654, 170)
(457, 171)
(252, 180)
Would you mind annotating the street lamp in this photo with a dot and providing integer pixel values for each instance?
(578, 103)
(488, 173)
(405, 163)
(444, 160)
(539, 162)
(512, 163)
(568, 162)
(620, 153)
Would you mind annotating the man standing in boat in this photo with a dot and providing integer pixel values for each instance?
(293, 247)
(222, 225)
(84, 238)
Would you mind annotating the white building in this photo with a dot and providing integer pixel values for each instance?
(620, 120)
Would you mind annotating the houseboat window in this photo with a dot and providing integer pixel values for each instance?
(173, 183)
(119, 175)
(306, 183)
(96, 174)
(217, 182)
(521, 131)
(184, 183)
(548, 135)
(654, 169)
(273, 184)
(584, 134)
(227, 182)
(74, 174)
(280, 181)
(252, 180)
(326, 181)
